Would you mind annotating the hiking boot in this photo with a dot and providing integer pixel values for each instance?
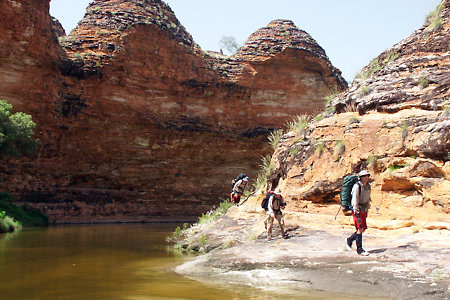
(350, 240)
(286, 236)
(348, 247)
(269, 238)
(364, 253)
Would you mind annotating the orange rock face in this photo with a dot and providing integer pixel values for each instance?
(401, 134)
(135, 120)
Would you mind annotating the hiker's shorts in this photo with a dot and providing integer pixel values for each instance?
(363, 223)
(235, 197)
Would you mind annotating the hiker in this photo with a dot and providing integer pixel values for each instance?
(360, 204)
(238, 190)
(274, 206)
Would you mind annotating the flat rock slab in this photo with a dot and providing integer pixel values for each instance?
(399, 266)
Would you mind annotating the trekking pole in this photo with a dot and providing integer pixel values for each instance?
(337, 212)
(246, 199)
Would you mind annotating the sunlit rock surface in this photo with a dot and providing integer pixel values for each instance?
(135, 120)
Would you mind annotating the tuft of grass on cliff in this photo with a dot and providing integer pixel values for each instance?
(21, 216)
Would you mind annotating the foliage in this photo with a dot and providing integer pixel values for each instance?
(364, 90)
(294, 151)
(203, 239)
(16, 132)
(333, 94)
(405, 126)
(23, 215)
(372, 160)
(78, 57)
(274, 137)
(319, 148)
(395, 167)
(352, 119)
(376, 65)
(298, 124)
(7, 224)
(209, 217)
(319, 118)
(434, 19)
(266, 169)
(215, 213)
(350, 107)
(424, 82)
(229, 43)
(340, 148)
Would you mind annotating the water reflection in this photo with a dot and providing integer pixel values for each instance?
(127, 261)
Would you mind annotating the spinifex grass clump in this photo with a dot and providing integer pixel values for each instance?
(215, 213)
(299, 124)
(205, 218)
(274, 137)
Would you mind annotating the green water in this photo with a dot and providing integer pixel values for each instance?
(127, 261)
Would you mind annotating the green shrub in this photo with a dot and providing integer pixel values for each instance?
(16, 132)
(8, 224)
(23, 215)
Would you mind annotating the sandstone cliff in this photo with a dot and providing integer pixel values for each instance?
(394, 120)
(135, 120)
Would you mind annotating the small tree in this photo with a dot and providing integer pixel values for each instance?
(229, 43)
(16, 132)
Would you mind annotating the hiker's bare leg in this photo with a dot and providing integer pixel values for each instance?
(281, 223)
(269, 226)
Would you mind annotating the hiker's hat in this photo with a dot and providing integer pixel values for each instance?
(245, 179)
(278, 192)
(364, 173)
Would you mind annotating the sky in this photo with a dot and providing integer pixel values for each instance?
(352, 32)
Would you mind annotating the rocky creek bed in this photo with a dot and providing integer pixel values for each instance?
(403, 264)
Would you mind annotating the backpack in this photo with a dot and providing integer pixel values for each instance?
(265, 202)
(346, 192)
(241, 176)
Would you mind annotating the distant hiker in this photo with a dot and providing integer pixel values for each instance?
(274, 205)
(360, 205)
(238, 190)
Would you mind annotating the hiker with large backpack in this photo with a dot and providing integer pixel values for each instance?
(273, 203)
(240, 183)
(360, 207)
